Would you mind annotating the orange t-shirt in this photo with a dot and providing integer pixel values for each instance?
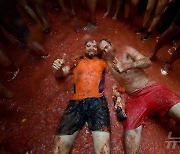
(89, 78)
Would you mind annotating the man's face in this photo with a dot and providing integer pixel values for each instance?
(91, 49)
(105, 47)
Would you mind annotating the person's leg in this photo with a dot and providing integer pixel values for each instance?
(174, 113)
(29, 10)
(63, 143)
(72, 8)
(150, 6)
(168, 34)
(159, 10)
(134, 7)
(4, 60)
(5, 92)
(132, 140)
(109, 3)
(91, 5)
(101, 142)
(175, 55)
(118, 6)
(127, 9)
(64, 9)
(38, 4)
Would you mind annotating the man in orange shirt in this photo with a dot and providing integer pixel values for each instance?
(88, 103)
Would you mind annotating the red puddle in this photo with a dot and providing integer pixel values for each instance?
(28, 123)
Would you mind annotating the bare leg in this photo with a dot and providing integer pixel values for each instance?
(4, 60)
(38, 4)
(150, 6)
(176, 55)
(101, 142)
(118, 6)
(159, 10)
(72, 7)
(5, 92)
(127, 9)
(64, 9)
(132, 140)
(109, 3)
(63, 143)
(174, 113)
(134, 4)
(29, 10)
(91, 4)
(168, 34)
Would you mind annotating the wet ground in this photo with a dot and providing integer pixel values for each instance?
(29, 121)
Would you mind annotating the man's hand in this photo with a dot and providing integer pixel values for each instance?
(57, 64)
(60, 70)
(120, 67)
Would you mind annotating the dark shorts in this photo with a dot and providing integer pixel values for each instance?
(94, 111)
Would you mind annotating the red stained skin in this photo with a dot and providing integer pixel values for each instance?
(41, 99)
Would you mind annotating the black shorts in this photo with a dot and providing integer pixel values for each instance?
(94, 111)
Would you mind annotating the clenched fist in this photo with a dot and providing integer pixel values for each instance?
(57, 64)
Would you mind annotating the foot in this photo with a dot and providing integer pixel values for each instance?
(139, 30)
(89, 27)
(55, 6)
(7, 94)
(47, 30)
(114, 17)
(77, 29)
(146, 36)
(37, 48)
(165, 69)
(172, 50)
(10, 72)
(73, 13)
(106, 14)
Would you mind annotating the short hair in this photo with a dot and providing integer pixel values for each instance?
(105, 40)
(91, 40)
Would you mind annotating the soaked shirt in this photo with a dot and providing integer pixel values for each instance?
(89, 78)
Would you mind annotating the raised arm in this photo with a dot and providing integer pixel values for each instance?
(60, 70)
(140, 61)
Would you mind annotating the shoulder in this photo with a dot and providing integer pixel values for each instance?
(101, 62)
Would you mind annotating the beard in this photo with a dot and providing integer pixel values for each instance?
(91, 54)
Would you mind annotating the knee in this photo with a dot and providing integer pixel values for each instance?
(174, 112)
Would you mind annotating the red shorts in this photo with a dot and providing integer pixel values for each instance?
(154, 99)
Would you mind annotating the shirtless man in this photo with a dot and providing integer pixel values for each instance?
(36, 12)
(161, 4)
(144, 96)
(87, 104)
